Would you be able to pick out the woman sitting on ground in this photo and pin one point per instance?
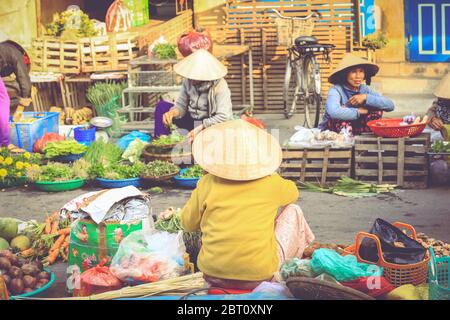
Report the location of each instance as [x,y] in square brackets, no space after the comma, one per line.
[352,104]
[439,113]
[235,206]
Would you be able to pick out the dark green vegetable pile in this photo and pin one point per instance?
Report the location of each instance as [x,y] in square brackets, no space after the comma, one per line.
[193,172]
[159,168]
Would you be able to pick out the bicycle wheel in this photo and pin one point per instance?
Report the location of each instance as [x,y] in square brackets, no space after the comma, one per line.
[291,89]
[313,99]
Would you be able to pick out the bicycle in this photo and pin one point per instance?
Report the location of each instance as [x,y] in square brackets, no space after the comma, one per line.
[302,80]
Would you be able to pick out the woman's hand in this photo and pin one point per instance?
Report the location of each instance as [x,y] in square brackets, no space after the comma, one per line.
[436,123]
[168,117]
[195,132]
[357,99]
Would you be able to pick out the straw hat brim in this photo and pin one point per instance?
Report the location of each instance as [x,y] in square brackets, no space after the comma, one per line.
[443,88]
[350,61]
[237,150]
[202,66]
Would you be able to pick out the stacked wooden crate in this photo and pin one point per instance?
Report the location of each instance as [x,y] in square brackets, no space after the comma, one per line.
[323,166]
[244,22]
[400,161]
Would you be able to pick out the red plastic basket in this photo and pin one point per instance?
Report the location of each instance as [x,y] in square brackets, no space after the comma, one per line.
[391,128]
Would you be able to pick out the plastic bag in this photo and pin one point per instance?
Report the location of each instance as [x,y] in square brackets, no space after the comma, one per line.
[134,150]
[118,17]
[98,280]
[297,268]
[125,141]
[194,40]
[397,247]
[39,145]
[409,292]
[342,268]
[149,256]
[275,288]
[303,137]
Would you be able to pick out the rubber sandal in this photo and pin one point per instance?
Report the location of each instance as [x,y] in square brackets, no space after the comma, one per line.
[315,289]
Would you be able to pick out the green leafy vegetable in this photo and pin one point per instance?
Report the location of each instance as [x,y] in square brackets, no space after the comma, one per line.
[122,172]
[101,152]
[52,172]
[193,172]
[159,168]
[63,148]
[348,187]
[173,138]
[441,147]
[165,51]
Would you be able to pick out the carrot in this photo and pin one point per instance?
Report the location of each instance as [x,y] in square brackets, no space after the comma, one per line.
[54,228]
[66,242]
[65,231]
[27,253]
[48,226]
[52,257]
[63,254]
[57,244]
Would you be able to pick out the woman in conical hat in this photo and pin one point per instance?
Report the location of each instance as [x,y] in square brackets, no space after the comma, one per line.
[205,98]
[351,103]
[439,113]
[235,206]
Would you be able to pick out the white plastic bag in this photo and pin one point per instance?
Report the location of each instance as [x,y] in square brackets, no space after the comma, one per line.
[149,256]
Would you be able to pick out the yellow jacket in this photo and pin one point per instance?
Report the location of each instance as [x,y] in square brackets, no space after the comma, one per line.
[237,221]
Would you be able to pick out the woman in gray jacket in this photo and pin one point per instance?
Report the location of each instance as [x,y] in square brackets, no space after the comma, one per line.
[205,98]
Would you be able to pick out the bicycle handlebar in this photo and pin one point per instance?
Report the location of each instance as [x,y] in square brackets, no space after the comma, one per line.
[315,14]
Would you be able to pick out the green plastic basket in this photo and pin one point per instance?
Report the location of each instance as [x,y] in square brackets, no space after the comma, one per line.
[439,277]
[60,186]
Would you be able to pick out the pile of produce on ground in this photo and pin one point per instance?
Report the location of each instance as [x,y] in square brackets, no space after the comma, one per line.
[309,251]
[159,168]
[63,148]
[13,167]
[193,172]
[349,187]
[440,248]
[21,275]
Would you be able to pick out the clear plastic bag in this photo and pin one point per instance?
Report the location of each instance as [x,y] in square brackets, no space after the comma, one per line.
[134,151]
[297,268]
[342,268]
[149,256]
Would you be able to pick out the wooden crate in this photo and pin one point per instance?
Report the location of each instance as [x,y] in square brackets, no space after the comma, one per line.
[323,166]
[400,161]
[242,22]
[50,54]
[108,53]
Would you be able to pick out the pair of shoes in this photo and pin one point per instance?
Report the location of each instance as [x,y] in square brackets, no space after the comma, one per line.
[14,149]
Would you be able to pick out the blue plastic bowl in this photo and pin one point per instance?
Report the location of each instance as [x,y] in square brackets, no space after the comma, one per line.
[39,291]
[190,183]
[69,158]
[112,184]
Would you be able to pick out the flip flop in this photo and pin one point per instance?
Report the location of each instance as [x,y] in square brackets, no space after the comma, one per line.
[315,289]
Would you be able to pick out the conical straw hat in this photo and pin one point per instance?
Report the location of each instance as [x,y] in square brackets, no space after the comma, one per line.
[3,37]
[237,150]
[349,61]
[202,66]
[443,89]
